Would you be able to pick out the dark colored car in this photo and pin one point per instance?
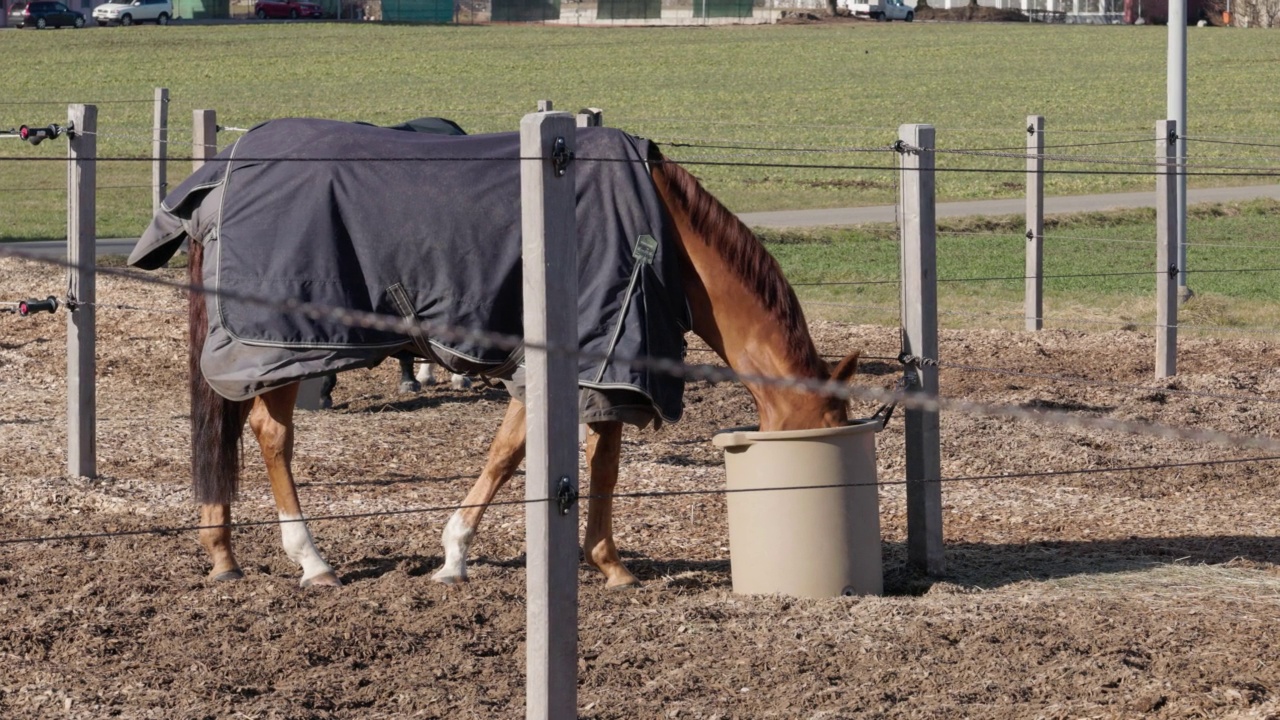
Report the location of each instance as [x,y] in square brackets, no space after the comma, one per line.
[41,14]
[286,9]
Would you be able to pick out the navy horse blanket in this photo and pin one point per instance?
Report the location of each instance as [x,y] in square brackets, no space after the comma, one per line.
[425,227]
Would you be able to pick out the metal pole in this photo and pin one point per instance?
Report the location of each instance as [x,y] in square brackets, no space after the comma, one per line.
[550,243]
[1176,110]
[1166,250]
[82,401]
[1033,303]
[160,150]
[918,221]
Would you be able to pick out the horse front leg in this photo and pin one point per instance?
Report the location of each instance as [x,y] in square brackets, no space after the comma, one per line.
[604,449]
[505,454]
[271,420]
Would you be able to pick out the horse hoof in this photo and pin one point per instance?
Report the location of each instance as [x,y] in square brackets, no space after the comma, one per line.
[623,584]
[410,386]
[444,579]
[227,575]
[460,382]
[326,403]
[325,579]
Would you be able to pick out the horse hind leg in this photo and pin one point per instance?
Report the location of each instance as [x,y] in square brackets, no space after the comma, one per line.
[604,449]
[215,537]
[271,420]
[408,383]
[216,425]
[327,384]
[505,454]
[427,376]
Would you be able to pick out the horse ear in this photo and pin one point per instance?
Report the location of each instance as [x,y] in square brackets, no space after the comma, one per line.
[845,369]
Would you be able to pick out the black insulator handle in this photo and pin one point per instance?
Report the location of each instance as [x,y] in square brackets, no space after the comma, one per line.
[49,304]
[35,135]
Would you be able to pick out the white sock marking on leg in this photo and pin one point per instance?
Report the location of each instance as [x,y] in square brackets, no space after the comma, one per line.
[426,374]
[456,540]
[299,546]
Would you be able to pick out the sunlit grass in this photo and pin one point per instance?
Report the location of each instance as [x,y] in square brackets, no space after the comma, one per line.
[820,96]
[1099,270]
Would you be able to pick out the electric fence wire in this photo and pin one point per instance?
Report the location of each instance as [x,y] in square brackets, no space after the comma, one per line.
[368,320]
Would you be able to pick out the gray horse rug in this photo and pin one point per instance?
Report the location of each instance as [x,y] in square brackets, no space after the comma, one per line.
[425,227]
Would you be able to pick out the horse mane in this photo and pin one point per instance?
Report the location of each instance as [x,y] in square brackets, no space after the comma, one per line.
[745,256]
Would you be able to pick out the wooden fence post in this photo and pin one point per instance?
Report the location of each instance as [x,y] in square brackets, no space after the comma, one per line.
[1034,303]
[160,150]
[1167,178]
[918,222]
[82,403]
[204,137]
[549,225]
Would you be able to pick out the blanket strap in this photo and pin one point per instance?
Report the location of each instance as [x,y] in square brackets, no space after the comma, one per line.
[645,250]
[400,297]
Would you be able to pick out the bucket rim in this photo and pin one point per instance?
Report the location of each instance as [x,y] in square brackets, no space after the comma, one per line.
[738,436]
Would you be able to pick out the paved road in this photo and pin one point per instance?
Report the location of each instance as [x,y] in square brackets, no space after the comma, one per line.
[861,215]
[1014,206]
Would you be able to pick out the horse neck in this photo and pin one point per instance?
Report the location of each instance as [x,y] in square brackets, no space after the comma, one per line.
[733,316]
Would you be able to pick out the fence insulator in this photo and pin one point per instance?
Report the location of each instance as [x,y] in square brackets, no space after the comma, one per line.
[36,135]
[49,304]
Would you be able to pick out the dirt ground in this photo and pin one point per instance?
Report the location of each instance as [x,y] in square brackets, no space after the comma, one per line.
[1133,593]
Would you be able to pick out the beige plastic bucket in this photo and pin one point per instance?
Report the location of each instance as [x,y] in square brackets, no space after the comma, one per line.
[821,540]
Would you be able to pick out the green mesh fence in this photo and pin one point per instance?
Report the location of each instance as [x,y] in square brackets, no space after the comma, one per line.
[419,11]
[724,8]
[629,9]
[202,9]
[525,10]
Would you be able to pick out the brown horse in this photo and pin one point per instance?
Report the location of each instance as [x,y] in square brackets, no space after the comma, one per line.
[740,305]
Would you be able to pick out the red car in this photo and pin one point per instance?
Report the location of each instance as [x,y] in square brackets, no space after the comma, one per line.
[286,9]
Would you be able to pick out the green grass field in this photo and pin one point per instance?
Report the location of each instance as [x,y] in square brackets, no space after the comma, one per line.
[826,90]
[771,117]
[1098,267]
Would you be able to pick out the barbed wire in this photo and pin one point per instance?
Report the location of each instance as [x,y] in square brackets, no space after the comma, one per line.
[639,494]
[130,307]
[1194,243]
[1065,321]
[1206,271]
[845,128]
[909,400]
[127,136]
[1075,380]
[75,102]
[1212,140]
[1229,172]
[844,283]
[828,303]
[888,148]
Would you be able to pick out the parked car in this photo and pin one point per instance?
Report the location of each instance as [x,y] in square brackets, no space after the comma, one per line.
[286,9]
[129,12]
[882,9]
[41,14]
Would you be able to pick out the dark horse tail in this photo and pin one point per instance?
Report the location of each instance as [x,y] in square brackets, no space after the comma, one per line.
[216,422]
